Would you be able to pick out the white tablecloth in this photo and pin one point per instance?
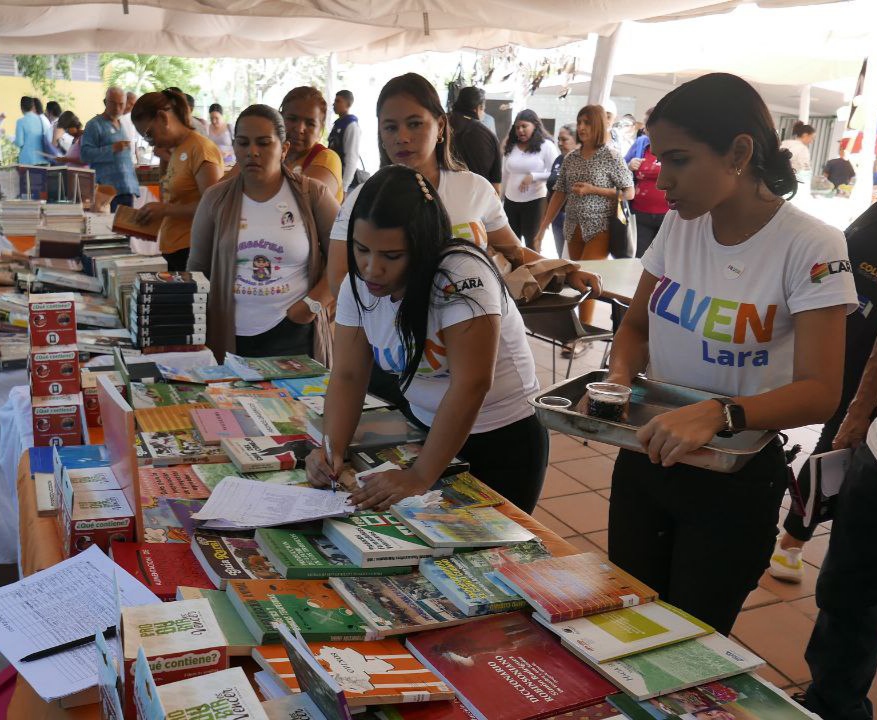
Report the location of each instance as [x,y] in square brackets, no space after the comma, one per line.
[16,436]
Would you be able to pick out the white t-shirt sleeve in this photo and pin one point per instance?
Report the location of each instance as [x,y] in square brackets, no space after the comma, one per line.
[818,273]
[467,289]
[493,216]
[653,257]
[347,312]
[339,229]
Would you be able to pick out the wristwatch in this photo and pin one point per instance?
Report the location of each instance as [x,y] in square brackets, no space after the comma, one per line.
[735,415]
[315,306]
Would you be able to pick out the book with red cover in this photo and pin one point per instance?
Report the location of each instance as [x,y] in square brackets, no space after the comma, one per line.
[177,481]
[161,566]
[507,667]
[215,424]
[566,588]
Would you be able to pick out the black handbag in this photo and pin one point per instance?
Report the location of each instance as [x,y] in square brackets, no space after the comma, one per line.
[622,230]
[360,175]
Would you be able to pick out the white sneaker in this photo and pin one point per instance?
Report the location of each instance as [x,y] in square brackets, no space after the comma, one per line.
[787,564]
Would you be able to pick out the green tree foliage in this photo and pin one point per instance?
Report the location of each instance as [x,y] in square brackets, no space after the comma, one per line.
[43,70]
[147,73]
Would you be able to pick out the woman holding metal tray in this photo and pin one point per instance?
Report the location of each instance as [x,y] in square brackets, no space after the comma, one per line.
[742,295]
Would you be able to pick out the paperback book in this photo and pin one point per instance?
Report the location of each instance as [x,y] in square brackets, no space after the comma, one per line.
[376,539]
[505,667]
[399,604]
[161,567]
[178,447]
[621,633]
[230,557]
[274,416]
[240,640]
[402,455]
[302,555]
[167,418]
[214,425]
[462,527]
[258,454]
[211,475]
[155,283]
[311,605]
[154,395]
[304,387]
[378,428]
[469,580]
[274,368]
[317,404]
[565,588]
[465,490]
[178,481]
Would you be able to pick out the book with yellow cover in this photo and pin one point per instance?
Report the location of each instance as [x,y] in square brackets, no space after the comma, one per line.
[167,418]
[370,672]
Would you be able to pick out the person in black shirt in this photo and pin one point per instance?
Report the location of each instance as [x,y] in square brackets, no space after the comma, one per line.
[839,171]
[474,144]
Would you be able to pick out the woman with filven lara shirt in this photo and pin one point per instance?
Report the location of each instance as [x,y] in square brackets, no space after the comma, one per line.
[262,238]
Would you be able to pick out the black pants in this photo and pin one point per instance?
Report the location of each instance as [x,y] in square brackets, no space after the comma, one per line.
[557,230]
[524,217]
[647,226]
[285,338]
[176,261]
[842,653]
[123,199]
[511,459]
[701,539]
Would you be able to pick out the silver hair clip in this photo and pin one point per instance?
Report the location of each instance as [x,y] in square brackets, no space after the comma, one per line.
[420,181]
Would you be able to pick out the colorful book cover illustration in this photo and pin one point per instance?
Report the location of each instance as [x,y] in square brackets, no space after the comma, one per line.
[179,446]
[212,474]
[154,395]
[240,640]
[402,455]
[565,588]
[304,387]
[274,368]
[462,527]
[376,539]
[273,452]
[230,557]
[274,416]
[167,418]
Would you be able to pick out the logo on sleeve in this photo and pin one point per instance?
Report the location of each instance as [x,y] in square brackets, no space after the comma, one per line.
[462,285]
[822,270]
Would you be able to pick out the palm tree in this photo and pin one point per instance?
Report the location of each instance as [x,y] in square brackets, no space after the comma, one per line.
[146,73]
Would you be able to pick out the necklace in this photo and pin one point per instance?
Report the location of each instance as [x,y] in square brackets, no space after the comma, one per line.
[748,235]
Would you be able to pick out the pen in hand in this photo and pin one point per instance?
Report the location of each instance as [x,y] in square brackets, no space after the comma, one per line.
[328,448]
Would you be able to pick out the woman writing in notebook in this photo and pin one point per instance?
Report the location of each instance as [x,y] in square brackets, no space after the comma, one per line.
[433,311]
[744,296]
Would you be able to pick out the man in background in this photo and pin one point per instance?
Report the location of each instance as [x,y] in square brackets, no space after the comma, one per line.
[473,143]
[344,137]
[107,149]
[29,135]
[839,171]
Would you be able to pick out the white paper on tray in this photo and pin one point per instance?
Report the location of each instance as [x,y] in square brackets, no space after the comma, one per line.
[67,601]
[237,503]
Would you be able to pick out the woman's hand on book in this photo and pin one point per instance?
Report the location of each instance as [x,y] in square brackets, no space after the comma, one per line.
[670,436]
[382,490]
[319,472]
[151,212]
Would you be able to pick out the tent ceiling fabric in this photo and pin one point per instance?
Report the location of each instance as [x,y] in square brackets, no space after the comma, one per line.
[365,30]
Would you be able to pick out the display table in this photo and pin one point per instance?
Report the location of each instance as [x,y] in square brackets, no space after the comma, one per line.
[41,548]
[620,277]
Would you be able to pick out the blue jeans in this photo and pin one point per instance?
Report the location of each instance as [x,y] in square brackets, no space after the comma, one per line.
[842,652]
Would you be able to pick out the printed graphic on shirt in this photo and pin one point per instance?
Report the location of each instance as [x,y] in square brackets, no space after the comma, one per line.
[473,231]
[432,364]
[258,262]
[454,288]
[719,322]
[822,270]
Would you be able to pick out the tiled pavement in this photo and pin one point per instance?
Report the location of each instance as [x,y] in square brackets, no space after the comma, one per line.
[777,618]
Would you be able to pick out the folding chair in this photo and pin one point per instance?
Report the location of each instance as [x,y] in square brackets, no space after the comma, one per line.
[617,312]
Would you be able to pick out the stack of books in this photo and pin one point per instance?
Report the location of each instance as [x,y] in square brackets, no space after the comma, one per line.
[63,216]
[169,309]
[20,217]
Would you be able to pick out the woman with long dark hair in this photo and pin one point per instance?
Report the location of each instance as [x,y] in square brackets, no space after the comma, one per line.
[262,238]
[529,155]
[744,296]
[432,310]
[165,122]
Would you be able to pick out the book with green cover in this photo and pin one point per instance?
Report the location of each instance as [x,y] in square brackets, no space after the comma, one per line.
[297,554]
[275,416]
[311,605]
[163,394]
[676,667]
[743,696]
[274,368]
[621,633]
[462,527]
[399,604]
[376,539]
[468,579]
[240,640]
[211,475]
[465,490]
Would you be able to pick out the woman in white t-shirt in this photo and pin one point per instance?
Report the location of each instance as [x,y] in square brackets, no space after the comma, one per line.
[742,295]
[261,237]
[529,156]
[433,311]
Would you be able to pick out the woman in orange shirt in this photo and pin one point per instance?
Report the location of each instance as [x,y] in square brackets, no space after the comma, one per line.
[164,120]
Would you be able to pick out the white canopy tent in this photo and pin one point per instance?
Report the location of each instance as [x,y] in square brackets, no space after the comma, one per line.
[364,31]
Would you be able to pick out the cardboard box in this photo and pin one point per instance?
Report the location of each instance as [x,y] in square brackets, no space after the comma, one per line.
[93,517]
[180,639]
[89,393]
[54,370]
[57,420]
[52,319]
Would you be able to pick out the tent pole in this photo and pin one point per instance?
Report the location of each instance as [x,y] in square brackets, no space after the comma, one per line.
[804,104]
[864,187]
[603,69]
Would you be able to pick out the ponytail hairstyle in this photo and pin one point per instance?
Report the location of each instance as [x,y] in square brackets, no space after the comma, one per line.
[800,128]
[539,136]
[419,89]
[171,100]
[399,197]
[716,108]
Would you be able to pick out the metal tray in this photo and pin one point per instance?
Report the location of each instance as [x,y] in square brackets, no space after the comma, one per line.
[649,398]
